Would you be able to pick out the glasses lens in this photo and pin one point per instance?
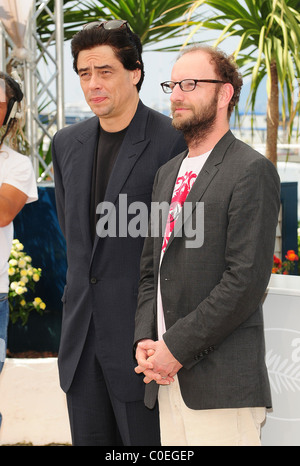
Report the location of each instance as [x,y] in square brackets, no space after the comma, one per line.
[109,25]
[188,85]
[166,87]
[93,24]
[114,24]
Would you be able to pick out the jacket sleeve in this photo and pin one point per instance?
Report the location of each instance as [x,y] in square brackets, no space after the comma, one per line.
[145,319]
[59,188]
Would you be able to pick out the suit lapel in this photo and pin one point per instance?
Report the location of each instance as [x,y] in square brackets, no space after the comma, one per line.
[165,195]
[84,151]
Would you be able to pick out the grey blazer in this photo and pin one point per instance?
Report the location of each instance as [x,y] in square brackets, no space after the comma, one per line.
[212,294]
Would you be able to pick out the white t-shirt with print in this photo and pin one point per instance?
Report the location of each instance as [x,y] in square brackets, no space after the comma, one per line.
[188,172]
[15,170]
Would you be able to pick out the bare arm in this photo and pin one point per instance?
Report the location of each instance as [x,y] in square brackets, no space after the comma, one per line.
[12,200]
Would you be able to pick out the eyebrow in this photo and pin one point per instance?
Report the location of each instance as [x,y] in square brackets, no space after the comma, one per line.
[96,67]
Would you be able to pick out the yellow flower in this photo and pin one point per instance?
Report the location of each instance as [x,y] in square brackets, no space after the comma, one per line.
[13,262]
[37,301]
[36,277]
[22,274]
[20,289]
[22,263]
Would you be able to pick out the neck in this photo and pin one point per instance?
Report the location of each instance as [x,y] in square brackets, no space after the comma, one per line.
[209,142]
[122,120]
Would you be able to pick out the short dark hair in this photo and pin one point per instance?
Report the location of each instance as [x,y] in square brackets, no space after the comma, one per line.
[226,69]
[125,44]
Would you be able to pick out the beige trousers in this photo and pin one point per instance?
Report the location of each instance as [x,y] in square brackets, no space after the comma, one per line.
[181,426]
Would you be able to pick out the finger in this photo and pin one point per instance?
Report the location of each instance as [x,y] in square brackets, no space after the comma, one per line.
[143,360]
[147,380]
[138,369]
[146,344]
[144,364]
[150,375]
[142,368]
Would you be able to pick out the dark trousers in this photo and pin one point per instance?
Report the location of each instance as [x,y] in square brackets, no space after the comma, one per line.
[97,418]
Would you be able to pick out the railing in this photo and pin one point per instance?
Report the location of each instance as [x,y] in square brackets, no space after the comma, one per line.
[286,152]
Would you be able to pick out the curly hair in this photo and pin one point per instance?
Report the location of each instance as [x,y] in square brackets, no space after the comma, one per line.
[225,68]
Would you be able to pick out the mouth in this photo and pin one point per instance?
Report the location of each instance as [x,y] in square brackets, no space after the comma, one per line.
[179,109]
[97,100]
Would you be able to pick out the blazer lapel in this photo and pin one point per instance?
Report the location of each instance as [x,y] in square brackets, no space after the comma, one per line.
[165,195]
[86,143]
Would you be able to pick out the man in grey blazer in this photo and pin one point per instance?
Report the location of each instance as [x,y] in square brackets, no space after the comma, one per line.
[107,162]
[199,325]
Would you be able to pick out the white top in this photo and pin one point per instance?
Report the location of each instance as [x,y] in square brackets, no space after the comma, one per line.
[16,170]
[188,172]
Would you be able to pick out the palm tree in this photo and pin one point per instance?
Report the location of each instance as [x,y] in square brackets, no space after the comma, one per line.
[269,46]
[153,20]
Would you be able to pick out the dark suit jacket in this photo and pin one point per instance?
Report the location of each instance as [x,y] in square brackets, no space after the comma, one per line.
[102,278]
[212,294]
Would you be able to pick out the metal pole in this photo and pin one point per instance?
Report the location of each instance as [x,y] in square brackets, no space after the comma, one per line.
[31,93]
[60,63]
[2,50]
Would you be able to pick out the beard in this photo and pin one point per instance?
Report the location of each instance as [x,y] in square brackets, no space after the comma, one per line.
[198,126]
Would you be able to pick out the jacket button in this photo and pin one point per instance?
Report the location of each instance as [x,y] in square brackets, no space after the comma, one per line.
[93,280]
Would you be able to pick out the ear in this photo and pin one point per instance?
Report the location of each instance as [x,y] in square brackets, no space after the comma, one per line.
[136,75]
[225,94]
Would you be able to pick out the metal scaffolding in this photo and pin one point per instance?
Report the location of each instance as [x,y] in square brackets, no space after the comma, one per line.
[42,76]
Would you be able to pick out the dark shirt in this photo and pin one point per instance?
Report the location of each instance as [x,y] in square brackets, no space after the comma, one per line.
[105,157]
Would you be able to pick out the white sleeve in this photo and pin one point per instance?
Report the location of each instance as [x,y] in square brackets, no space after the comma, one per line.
[21,176]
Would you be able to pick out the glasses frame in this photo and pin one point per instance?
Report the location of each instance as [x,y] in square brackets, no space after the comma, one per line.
[168,90]
[105,24]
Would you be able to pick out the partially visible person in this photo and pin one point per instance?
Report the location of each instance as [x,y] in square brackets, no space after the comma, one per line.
[200,298]
[17,187]
[110,159]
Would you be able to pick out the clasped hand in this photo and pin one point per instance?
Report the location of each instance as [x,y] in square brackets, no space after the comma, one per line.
[156,362]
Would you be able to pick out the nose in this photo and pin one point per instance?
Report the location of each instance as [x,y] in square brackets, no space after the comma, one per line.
[177,93]
[95,81]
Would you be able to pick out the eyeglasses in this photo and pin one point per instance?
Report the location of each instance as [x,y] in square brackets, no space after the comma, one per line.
[186,85]
[109,25]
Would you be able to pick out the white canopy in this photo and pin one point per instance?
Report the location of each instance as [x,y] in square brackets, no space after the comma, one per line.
[14,16]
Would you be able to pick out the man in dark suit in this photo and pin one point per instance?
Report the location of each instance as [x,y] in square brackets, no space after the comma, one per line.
[106,163]
[199,323]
